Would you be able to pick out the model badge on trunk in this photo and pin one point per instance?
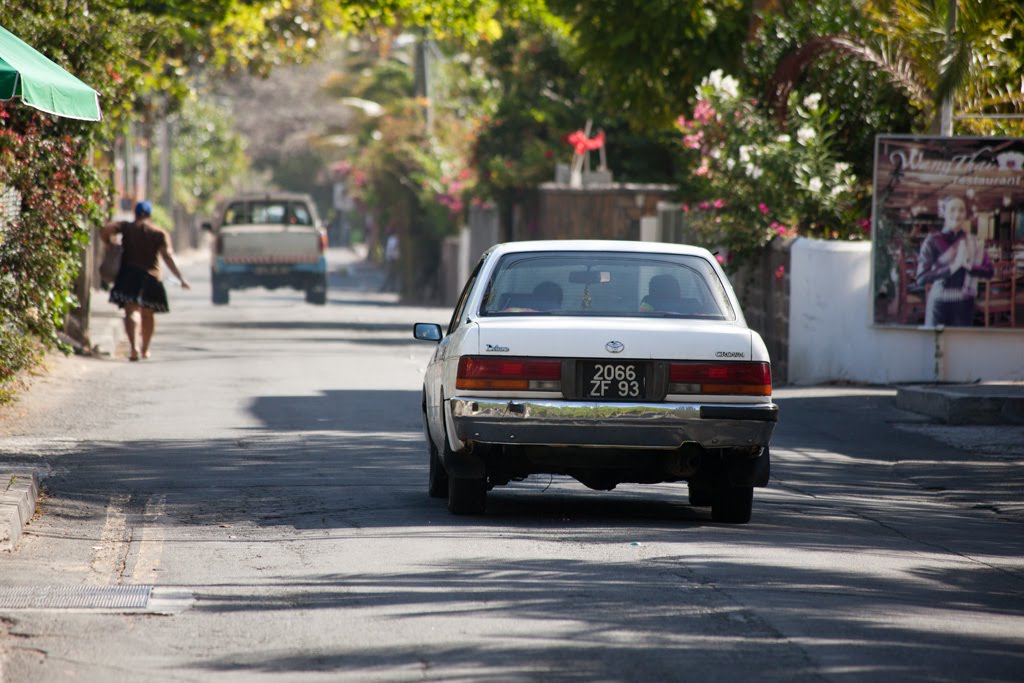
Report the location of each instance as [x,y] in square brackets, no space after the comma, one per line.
[614,347]
[494,348]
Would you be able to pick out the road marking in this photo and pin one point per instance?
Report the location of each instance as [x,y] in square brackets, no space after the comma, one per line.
[148,547]
[109,557]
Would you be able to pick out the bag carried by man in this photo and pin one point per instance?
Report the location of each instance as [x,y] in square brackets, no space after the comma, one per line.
[111,263]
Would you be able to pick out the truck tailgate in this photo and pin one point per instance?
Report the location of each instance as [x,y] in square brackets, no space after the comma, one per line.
[269,243]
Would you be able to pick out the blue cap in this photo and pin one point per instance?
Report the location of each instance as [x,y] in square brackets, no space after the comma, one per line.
[144,209]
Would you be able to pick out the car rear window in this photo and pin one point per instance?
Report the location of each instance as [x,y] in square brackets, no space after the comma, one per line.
[268,213]
[603,284]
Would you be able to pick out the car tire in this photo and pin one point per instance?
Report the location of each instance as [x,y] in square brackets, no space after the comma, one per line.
[466,496]
[700,496]
[316,296]
[220,292]
[437,483]
[731,504]
[316,291]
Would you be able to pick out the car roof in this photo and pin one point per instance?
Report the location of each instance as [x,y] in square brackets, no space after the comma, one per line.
[599,245]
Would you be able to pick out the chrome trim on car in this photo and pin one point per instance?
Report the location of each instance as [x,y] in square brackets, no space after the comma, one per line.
[628,425]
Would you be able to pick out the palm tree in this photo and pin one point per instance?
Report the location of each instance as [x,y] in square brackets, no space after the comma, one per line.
[964,50]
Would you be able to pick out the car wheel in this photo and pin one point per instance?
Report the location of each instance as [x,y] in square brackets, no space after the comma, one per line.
[466,496]
[731,504]
[437,483]
[220,295]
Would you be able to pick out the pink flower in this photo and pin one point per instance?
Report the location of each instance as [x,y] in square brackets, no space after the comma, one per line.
[703,112]
[763,208]
[782,230]
[704,206]
[686,208]
[719,204]
[720,259]
[704,167]
[682,123]
[780,272]
[693,141]
[864,224]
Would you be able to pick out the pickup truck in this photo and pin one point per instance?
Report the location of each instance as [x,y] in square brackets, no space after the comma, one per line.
[268,239]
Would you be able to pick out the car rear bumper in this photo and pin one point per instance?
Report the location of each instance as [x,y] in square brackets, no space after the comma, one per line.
[269,266]
[627,425]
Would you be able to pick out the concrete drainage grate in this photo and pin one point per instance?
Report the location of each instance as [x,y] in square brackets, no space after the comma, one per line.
[75,597]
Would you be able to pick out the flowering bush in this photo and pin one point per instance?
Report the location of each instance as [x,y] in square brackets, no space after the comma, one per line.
[43,171]
[751,182]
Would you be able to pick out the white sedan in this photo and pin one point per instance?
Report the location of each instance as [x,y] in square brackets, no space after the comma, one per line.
[607,361]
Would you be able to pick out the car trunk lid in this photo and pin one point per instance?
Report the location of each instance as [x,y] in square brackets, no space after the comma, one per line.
[632,338]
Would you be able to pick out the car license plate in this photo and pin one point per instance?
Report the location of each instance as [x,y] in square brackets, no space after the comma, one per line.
[614,381]
[271,270]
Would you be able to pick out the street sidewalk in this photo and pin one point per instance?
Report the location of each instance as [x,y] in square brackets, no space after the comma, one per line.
[989,403]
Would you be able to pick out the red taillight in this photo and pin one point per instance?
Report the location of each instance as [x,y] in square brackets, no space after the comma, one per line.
[478,372]
[751,379]
[323,242]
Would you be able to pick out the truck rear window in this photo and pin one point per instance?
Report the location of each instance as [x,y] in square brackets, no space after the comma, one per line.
[267,213]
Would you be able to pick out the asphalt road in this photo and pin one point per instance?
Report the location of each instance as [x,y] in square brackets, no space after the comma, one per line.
[264,473]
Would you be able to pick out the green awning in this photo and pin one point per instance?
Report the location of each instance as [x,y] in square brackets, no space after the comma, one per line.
[40,83]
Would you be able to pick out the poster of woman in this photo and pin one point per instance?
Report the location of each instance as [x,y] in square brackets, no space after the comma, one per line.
[948,237]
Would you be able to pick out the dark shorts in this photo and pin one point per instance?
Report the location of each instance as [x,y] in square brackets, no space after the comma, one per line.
[136,286]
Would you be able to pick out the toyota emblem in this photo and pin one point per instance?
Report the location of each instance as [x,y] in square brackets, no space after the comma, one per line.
[614,347]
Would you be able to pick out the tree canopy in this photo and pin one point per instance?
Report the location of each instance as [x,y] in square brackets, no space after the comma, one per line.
[518,76]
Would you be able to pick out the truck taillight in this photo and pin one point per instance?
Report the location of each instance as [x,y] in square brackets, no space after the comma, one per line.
[744,378]
[509,374]
[323,242]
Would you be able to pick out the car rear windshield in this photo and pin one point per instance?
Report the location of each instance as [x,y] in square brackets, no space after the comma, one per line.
[268,213]
[602,284]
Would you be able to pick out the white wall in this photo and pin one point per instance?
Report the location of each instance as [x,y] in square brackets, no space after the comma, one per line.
[832,336]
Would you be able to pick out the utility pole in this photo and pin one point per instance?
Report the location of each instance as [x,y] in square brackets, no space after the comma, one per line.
[946,123]
[422,81]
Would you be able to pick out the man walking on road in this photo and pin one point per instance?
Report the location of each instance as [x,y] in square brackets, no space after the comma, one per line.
[138,288]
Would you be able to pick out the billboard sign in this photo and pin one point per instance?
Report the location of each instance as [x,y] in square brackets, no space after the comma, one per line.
[948,231]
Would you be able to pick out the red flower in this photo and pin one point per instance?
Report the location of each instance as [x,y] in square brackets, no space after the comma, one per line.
[582,144]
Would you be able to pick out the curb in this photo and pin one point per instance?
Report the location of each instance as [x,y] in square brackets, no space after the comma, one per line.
[18,493]
[972,404]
